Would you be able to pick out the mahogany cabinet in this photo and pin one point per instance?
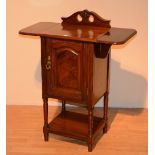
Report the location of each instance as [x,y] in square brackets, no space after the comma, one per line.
[75,60]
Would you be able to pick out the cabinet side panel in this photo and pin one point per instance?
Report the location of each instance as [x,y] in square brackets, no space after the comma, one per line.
[100,71]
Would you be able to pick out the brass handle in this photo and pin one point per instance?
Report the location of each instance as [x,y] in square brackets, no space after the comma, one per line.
[48,64]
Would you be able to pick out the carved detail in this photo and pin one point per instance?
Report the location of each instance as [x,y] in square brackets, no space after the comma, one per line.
[67,60]
[86,17]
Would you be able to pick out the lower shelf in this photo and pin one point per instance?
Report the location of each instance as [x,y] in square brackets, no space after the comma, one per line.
[75,125]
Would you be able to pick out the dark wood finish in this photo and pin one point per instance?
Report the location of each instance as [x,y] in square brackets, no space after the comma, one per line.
[80,33]
[74,125]
[116,36]
[46,126]
[90,128]
[63,105]
[75,61]
[65,31]
[106,94]
[65,76]
[105,116]
[100,74]
[86,18]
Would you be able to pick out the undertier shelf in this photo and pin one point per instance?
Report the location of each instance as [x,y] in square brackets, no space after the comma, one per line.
[75,125]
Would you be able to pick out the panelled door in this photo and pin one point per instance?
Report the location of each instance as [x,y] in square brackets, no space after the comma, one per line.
[65,65]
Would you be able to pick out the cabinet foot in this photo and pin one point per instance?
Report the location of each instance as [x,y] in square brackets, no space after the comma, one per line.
[90,147]
[46,133]
[105,129]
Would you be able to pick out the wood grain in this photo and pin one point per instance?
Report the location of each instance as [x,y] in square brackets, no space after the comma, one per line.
[73,125]
[127,133]
[81,33]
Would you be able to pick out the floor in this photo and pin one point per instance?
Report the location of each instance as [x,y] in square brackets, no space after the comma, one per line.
[127,134]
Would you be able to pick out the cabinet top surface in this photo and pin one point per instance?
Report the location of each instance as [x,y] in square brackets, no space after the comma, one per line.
[72,28]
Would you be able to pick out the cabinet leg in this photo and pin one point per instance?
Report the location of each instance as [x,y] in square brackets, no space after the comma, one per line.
[90,128]
[105,114]
[63,105]
[45,127]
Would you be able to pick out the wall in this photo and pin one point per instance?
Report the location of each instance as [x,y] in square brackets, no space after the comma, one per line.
[128,64]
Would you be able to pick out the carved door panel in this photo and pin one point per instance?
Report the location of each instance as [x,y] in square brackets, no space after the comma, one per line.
[65,78]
